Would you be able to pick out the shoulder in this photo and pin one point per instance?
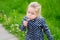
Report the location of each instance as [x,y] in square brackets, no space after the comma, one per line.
[41,19]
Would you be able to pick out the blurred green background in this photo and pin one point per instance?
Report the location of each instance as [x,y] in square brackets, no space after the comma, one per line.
[13,11]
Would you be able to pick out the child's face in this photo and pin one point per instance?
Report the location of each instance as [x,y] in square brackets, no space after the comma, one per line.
[31,13]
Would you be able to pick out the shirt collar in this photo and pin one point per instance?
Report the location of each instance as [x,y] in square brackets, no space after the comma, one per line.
[34,19]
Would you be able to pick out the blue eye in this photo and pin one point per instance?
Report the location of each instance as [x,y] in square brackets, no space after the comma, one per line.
[29,12]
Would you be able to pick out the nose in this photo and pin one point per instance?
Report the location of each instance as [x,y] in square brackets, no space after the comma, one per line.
[29,14]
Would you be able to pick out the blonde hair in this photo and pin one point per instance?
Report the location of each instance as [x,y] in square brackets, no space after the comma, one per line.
[36,6]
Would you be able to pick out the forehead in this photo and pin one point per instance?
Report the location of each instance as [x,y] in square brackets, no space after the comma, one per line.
[31,9]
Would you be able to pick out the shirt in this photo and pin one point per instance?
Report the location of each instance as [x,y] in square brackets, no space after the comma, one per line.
[36,28]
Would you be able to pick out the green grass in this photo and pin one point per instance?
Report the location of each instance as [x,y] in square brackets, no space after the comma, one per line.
[13,12]
[54,28]
[12,24]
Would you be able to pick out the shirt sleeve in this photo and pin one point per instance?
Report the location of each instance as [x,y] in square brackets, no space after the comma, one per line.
[46,30]
[22,27]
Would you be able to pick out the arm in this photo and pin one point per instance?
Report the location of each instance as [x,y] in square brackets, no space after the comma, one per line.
[22,27]
[46,30]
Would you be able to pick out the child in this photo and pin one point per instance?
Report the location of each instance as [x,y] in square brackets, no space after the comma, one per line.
[35,23]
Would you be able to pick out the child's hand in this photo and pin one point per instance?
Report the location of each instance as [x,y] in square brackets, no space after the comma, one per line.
[25,23]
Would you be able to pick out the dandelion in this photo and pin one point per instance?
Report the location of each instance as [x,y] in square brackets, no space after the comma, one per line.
[23,34]
[10,31]
[4,15]
[19,30]
[12,25]
[17,25]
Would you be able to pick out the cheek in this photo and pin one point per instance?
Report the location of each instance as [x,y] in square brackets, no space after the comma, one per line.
[27,14]
[33,16]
